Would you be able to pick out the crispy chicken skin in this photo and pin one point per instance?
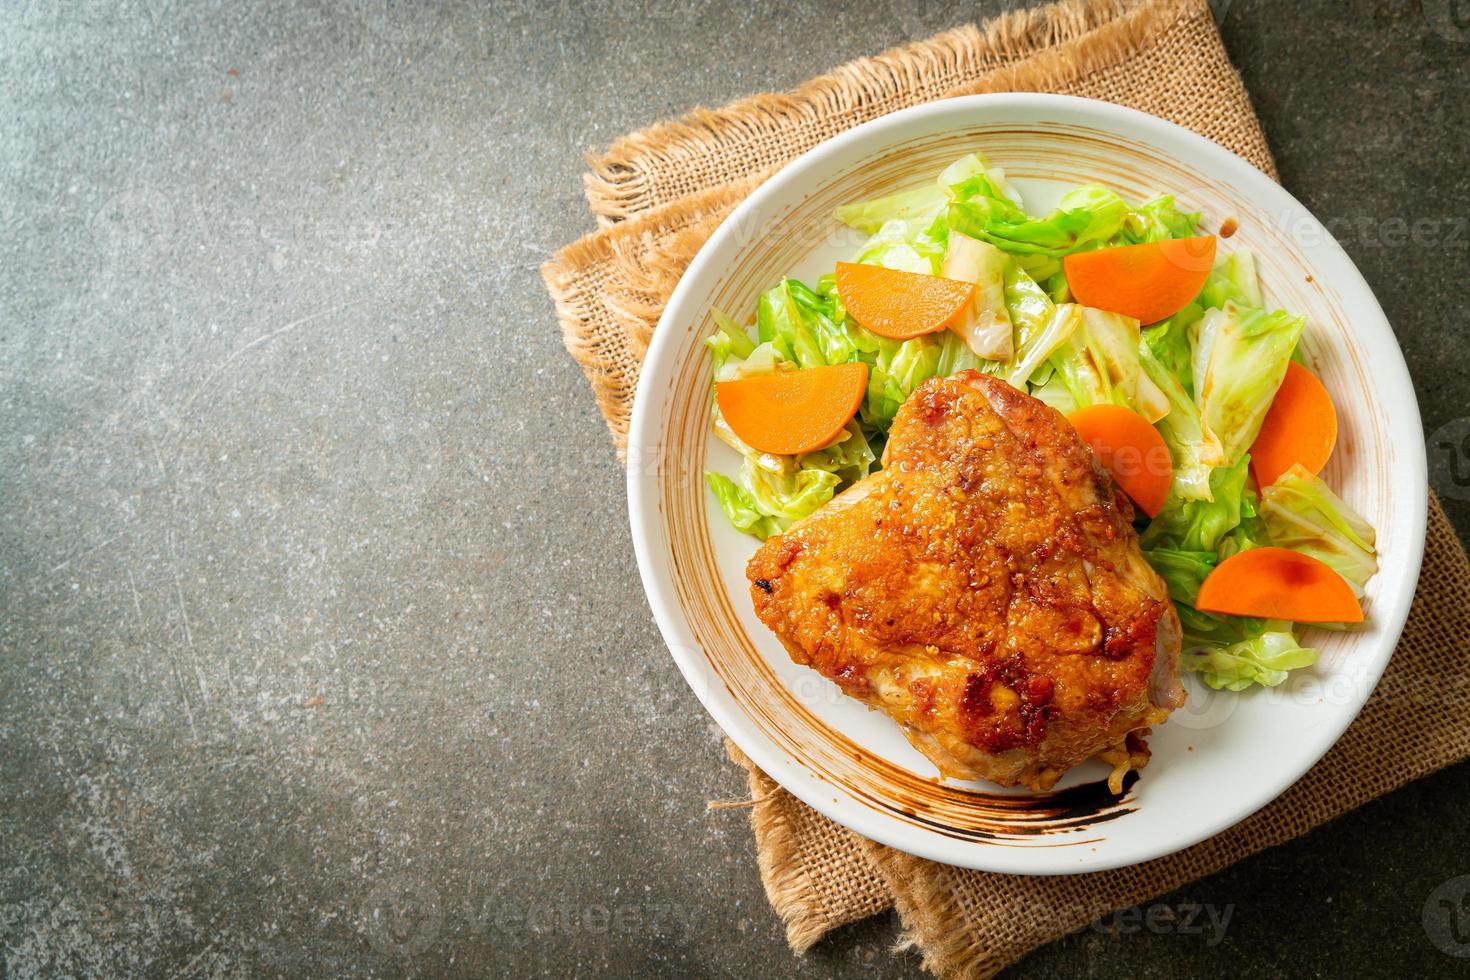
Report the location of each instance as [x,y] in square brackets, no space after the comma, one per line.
[985,589]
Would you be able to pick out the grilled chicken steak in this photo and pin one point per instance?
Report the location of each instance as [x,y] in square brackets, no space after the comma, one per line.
[985,589]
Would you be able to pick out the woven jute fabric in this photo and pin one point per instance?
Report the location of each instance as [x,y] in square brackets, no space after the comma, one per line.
[658,195]
[661,192]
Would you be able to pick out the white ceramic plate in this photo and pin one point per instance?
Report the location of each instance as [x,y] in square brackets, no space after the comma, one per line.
[1217,760]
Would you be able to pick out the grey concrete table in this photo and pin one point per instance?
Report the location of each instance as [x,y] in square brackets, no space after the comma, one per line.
[322,650]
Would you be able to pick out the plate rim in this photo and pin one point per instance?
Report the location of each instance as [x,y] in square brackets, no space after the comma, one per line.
[644,506]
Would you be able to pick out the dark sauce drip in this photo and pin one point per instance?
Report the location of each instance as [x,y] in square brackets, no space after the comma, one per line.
[1062,811]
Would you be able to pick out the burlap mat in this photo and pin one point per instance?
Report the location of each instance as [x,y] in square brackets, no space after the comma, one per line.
[660,193]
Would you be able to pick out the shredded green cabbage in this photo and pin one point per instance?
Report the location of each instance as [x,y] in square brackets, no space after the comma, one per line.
[1263,659]
[1205,376]
[1302,513]
[1240,357]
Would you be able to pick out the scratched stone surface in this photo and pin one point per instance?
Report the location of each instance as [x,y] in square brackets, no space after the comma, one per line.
[322,648]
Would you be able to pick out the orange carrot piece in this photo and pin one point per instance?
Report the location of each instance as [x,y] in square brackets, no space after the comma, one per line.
[794,411]
[901,305]
[1277,583]
[1147,282]
[1130,449]
[1300,427]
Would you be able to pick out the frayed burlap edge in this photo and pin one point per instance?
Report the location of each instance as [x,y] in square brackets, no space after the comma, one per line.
[610,288]
[786,868]
[788,888]
[959,920]
[1061,67]
[618,185]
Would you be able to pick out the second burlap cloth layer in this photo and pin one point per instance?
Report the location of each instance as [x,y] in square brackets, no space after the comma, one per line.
[661,192]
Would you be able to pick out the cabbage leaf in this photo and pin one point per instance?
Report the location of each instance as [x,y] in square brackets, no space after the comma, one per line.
[1302,513]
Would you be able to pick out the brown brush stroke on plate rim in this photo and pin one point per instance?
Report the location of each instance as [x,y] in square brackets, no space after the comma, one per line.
[883,785]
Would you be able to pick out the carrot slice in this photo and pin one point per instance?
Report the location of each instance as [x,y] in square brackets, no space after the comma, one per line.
[1130,449]
[793,411]
[1277,583]
[900,305]
[1300,427]
[1147,282]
